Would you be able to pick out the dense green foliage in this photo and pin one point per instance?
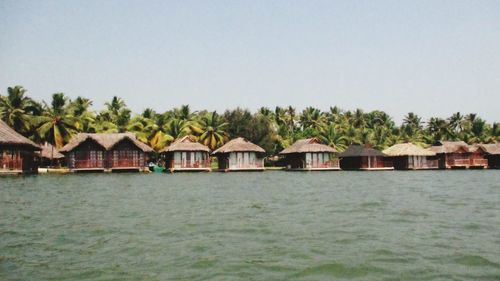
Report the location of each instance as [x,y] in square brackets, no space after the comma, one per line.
[56,122]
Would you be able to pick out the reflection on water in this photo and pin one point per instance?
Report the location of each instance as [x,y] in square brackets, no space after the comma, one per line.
[441,225]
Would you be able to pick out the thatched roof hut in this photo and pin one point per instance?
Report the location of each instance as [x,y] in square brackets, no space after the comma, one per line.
[186,143]
[356,150]
[491,148]
[50,152]
[308,145]
[107,141]
[449,147]
[407,149]
[239,145]
[9,137]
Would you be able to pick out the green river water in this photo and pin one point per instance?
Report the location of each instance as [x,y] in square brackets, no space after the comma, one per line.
[430,225]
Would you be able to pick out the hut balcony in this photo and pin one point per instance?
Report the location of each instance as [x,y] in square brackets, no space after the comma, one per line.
[479,162]
[127,164]
[374,163]
[191,165]
[425,164]
[87,164]
[459,163]
[330,164]
[11,163]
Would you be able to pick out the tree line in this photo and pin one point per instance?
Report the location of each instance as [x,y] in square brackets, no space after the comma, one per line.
[273,129]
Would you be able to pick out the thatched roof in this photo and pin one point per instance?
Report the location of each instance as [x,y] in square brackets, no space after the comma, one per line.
[407,149]
[186,143]
[449,146]
[308,145]
[356,150]
[50,152]
[9,136]
[107,141]
[491,148]
[239,144]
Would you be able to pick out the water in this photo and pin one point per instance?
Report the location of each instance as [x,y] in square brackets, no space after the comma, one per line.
[431,225]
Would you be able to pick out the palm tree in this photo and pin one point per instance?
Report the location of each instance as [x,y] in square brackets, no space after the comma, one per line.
[413,120]
[312,118]
[57,125]
[331,136]
[210,130]
[184,113]
[438,129]
[115,105]
[178,128]
[16,109]
[455,121]
[117,113]
[80,109]
[151,131]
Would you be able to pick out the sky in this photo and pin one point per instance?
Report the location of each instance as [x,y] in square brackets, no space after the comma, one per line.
[428,57]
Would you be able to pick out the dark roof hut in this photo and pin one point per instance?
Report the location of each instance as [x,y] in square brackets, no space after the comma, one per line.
[310,154]
[240,154]
[17,153]
[364,157]
[408,156]
[185,154]
[108,152]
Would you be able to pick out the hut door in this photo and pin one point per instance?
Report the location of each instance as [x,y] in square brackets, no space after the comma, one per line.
[177,160]
[246,159]
[308,160]
[252,159]
[240,159]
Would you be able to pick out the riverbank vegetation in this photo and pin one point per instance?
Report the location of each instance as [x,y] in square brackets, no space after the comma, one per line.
[57,120]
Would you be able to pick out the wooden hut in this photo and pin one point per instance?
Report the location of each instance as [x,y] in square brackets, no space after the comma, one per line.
[492,154]
[186,154]
[364,157]
[106,152]
[407,156]
[50,156]
[458,155]
[240,155]
[17,153]
[477,157]
[310,155]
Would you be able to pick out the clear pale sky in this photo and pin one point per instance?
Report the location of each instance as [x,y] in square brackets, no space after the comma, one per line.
[430,57]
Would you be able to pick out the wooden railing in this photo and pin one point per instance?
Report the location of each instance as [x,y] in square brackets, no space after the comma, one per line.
[326,164]
[127,162]
[426,164]
[459,162]
[11,164]
[191,164]
[257,164]
[479,162]
[87,164]
[377,164]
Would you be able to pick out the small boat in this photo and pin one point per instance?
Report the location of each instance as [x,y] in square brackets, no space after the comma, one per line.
[155,168]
